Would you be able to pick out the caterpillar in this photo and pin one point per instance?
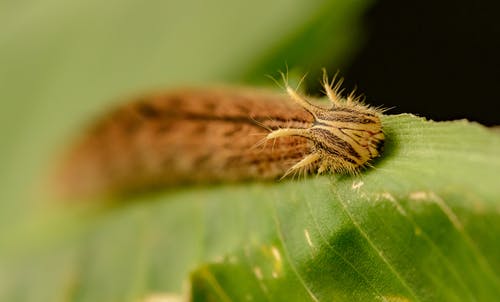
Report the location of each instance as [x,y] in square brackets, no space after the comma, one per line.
[220,134]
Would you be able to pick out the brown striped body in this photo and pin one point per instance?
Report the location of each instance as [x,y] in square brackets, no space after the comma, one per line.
[186,136]
[218,134]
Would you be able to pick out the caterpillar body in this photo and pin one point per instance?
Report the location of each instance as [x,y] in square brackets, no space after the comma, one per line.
[206,135]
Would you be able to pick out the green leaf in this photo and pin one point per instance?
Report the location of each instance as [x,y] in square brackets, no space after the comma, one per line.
[422,225]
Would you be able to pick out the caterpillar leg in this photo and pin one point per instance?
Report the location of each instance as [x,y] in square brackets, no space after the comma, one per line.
[304,163]
[323,167]
[289,132]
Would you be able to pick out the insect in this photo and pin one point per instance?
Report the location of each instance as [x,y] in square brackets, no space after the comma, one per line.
[202,135]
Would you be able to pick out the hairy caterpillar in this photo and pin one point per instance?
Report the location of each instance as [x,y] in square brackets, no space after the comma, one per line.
[200,135]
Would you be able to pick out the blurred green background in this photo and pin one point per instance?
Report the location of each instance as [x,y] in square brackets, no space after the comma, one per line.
[61,63]
[64,62]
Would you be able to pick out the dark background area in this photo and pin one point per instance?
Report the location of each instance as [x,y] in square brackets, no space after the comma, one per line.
[438,59]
